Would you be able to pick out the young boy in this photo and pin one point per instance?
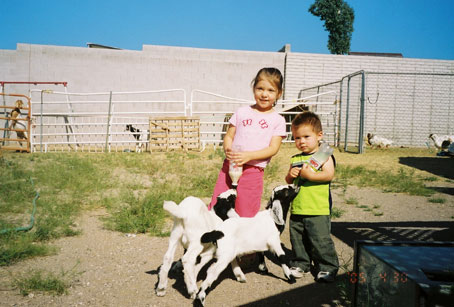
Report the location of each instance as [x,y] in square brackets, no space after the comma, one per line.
[310,223]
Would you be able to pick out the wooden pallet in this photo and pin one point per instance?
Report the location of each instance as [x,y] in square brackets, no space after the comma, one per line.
[174,133]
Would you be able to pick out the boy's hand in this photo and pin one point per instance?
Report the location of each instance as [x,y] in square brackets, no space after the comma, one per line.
[306,172]
[325,174]
[294,172]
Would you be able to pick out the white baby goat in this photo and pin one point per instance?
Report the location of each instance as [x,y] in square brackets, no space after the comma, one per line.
[377,141]
[191,220]
[441,141]
[241,236]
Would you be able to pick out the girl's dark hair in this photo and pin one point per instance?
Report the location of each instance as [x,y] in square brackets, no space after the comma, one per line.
[308,118]
[271,74]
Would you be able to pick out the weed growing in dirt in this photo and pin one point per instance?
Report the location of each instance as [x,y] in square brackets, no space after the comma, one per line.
[437,200]
[376,213]
[142,214]
[352,201]
[15,247]
[336,212]
[40,281]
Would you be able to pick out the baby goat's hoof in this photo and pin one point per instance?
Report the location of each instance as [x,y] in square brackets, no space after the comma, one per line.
[291,279]
[262,269]
[241,279]
[193,295]
[160,292]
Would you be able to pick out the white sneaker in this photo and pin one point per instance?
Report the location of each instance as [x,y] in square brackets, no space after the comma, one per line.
[297,272]
[325,277]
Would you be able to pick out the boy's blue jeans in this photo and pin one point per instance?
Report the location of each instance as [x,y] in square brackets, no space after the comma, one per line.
[310,236]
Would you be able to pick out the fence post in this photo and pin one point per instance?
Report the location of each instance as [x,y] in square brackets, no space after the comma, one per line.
[361,114]
[5,132]
[41,125]
[108,122]
[339,122]
[190,103]
[347,108]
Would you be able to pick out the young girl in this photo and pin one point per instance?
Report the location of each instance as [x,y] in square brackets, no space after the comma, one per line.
[259,130]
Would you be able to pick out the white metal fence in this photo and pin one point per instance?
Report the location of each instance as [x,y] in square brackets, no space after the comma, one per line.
[97,122]
[65,121]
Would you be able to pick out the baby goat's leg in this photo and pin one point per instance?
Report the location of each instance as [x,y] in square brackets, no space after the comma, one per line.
[175,237]
[237,271]
[205,257]
[262,265]
[212,274]
[275,247]
[189,260]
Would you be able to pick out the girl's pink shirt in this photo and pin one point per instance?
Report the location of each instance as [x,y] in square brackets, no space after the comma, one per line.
[254,130]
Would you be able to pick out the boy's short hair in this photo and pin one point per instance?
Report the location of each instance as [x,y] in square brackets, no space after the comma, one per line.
[308,118]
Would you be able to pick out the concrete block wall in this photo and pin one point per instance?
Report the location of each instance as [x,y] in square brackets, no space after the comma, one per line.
[405,108]
[154,68]
[229,73]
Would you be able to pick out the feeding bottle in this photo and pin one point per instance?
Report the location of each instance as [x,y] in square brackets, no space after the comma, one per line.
[235,170]
[321,156]
[318,158]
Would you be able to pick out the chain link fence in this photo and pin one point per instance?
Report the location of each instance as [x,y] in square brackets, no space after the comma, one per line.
[403,107]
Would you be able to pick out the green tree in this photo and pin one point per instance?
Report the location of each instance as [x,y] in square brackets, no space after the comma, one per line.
[338,17]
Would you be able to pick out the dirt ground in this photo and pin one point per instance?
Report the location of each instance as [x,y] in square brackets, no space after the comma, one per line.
[118,269]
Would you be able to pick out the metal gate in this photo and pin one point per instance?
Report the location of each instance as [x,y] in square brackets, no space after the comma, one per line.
[15,122]
[404,107]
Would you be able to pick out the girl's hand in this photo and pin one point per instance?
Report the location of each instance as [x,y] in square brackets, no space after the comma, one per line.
[228,153]
[239,157]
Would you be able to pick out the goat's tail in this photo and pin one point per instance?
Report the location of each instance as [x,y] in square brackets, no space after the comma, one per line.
[173,209]
[211,237]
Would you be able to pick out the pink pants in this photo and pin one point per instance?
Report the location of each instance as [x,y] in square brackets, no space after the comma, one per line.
[249,190]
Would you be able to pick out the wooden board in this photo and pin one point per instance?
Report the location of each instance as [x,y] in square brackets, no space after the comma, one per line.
[174,133]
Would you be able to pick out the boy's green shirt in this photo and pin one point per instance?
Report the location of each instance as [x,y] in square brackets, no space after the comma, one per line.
[313,197]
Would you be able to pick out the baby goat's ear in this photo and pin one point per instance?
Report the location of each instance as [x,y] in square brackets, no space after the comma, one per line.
[276,213]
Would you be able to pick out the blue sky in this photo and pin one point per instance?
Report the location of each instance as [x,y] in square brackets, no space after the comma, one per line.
[415,28]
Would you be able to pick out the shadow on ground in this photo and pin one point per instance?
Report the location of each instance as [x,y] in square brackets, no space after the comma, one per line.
[440,166]
[314,294]
[349,232]
[301,296]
